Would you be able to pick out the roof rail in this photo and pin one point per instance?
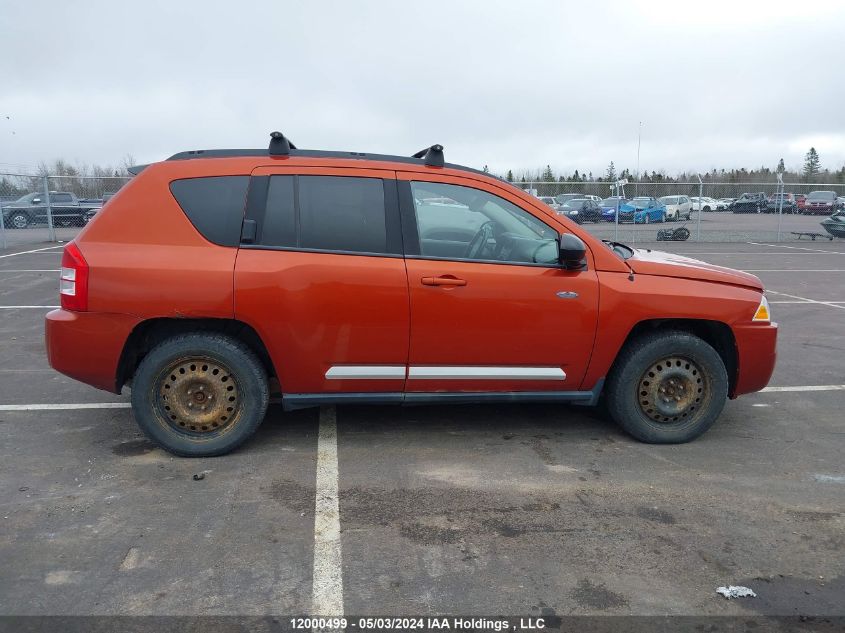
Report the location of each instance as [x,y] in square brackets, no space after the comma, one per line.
[279,145]
[432,156]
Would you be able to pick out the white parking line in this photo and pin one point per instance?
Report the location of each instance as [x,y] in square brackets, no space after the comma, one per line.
[799,248]
[805,299]
[800,302]
[778,253]
[327,595]
[40,270]
[804,388]
[795,270]
[37,250]
[64,407]
[28,307]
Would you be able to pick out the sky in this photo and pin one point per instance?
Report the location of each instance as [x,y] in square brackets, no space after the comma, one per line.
[511,85]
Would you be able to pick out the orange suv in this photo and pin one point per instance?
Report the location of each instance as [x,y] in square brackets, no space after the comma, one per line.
[217,278]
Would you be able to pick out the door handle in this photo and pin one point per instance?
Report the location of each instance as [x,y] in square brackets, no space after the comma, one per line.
[445,280]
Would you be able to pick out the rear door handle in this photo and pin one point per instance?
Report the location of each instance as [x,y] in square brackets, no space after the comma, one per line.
[445,280]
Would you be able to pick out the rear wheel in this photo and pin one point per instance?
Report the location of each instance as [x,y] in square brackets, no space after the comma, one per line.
[199,395]
[667,388]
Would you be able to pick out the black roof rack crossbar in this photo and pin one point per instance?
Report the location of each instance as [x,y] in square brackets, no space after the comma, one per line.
[432,156]
[279,145]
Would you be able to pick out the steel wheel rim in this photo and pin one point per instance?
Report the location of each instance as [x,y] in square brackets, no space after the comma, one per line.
[198,396]
[672,390]
[19,221]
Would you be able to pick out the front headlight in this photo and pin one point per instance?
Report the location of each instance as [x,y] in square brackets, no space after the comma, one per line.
[763,314]
[573,213]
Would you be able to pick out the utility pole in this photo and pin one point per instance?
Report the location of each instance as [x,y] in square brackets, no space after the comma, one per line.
[639,142]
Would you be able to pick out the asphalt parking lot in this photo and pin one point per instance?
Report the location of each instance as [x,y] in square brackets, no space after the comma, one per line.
[540,509]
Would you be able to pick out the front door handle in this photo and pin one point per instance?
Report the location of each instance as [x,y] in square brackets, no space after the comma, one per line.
[445,280]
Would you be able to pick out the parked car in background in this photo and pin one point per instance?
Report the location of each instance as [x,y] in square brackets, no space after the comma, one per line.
[581,210]
[327,279]
[93,211]
[726,201]
[820,203]
[609,207]
[549,200]
[642,210]
[677,207]
[749,203]
[707,204]
[565,197]
[773,204]
[65,207]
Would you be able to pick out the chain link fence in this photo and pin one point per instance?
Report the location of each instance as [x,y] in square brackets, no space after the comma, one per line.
[708,211]
[40,209]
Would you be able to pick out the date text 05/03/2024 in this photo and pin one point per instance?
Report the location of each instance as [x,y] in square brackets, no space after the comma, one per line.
[428,623]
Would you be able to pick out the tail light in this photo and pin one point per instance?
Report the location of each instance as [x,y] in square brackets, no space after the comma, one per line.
[73,285]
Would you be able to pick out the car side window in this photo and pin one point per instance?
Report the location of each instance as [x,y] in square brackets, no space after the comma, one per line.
[214,205]
[462,223]
[332,213]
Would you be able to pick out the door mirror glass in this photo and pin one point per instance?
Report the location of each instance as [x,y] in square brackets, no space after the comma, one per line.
[572,251]
[36,201]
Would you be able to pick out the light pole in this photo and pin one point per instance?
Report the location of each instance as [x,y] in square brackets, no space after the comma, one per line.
[639,142]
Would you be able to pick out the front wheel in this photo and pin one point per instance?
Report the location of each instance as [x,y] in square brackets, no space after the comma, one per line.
[19,220]
[667,387]
[199,395]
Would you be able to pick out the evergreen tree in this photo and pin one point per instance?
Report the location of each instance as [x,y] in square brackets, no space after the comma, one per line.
[610,174]
[510,176]
[548,174]
[486,170]
[812,164]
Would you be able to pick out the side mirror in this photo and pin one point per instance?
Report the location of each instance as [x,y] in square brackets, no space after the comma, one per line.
[572,251]
[36,201]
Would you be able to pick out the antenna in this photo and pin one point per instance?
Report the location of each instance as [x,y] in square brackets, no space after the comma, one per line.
[432,156]
[279,145]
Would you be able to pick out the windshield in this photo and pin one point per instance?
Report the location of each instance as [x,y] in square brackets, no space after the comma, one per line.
[822,195]
[641,202]
[668,199]
[611,202]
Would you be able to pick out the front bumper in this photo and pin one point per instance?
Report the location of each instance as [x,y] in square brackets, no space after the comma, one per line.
[756,346]
[87,345]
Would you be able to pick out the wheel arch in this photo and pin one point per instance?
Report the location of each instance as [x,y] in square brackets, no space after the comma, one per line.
[716,333]
[149,333]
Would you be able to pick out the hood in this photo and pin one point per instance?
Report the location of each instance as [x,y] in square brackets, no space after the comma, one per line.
[645,262]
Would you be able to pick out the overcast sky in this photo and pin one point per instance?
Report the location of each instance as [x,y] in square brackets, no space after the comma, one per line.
[515,85]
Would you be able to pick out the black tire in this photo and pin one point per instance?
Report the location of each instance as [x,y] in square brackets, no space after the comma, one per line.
[19,220]
[231,379]
[699,377]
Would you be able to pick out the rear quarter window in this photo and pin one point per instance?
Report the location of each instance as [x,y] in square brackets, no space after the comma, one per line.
[214,205]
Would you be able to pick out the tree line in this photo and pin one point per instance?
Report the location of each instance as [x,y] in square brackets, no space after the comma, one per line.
[86,181]
[811,172]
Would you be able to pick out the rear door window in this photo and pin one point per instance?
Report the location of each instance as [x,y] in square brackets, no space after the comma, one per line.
[214,205]
[344,214]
